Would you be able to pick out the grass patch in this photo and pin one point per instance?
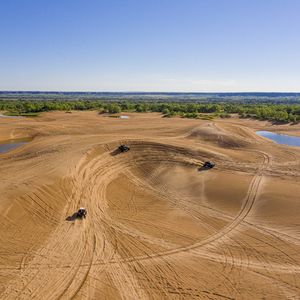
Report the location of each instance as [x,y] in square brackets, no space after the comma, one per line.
[20,114]
[206,117]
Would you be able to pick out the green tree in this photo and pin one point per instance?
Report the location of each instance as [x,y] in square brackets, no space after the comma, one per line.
[114,108]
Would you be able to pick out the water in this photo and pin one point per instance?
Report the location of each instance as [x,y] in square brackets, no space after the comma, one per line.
[4,116]
[12,144]
[280,138]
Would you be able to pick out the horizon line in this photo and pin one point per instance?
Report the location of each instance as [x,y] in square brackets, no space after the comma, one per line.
[152,92]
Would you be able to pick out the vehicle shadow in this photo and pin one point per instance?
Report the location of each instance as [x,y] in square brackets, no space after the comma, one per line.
[115,152]
[72,217]
[201,169]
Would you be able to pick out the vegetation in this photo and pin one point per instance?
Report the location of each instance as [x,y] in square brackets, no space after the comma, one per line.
[261,111]
[21,114]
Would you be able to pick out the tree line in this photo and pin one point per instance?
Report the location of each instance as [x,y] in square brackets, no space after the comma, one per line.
[266,111]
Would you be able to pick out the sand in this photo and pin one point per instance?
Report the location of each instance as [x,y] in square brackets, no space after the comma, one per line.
[156,228]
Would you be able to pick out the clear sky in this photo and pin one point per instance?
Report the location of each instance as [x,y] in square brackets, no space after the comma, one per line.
[150,45]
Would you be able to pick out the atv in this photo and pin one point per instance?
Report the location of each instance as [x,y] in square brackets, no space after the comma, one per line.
[208,165]
[124,148]
[81,213]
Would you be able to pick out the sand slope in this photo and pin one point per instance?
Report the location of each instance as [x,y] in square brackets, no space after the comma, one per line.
[157,228]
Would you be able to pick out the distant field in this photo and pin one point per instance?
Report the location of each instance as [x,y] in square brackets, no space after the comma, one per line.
[155,96]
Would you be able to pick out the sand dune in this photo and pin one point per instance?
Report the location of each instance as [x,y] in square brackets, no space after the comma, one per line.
[221,137]
[157,228]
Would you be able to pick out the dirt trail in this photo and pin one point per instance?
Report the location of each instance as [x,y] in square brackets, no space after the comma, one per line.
[156,226]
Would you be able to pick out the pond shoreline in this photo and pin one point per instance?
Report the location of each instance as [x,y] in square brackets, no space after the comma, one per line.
[280,138]
[9,145]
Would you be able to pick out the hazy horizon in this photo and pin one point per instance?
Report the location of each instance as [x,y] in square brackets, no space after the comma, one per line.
[148,92]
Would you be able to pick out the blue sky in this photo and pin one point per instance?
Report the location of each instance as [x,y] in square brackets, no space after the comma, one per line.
[150,45]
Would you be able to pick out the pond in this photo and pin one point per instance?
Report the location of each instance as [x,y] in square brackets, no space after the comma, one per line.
[12,144]
[13,117]
[280,138]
